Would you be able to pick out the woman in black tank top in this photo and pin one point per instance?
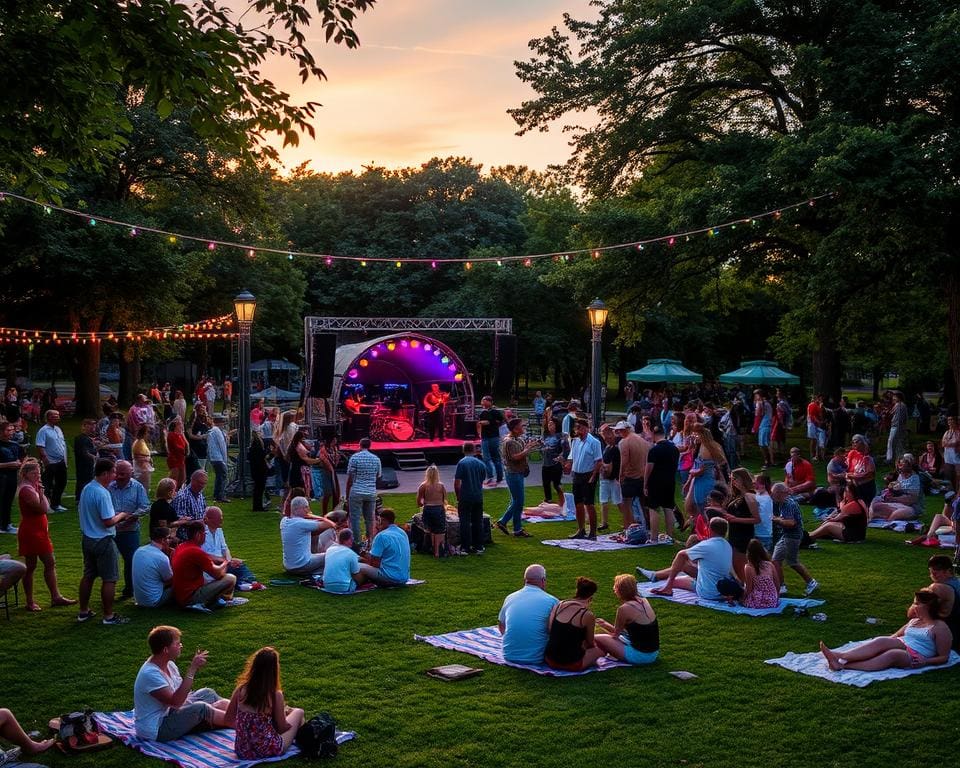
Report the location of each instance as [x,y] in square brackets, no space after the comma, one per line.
[635,638]
[570,645]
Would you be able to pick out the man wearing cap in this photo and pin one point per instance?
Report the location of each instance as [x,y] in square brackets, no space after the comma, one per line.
[515,455]
[586,458]
[633,466]
[217,454]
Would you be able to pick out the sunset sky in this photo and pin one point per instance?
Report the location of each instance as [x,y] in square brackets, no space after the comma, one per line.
[432,78]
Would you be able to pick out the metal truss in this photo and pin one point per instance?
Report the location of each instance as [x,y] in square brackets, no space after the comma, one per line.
[402,324]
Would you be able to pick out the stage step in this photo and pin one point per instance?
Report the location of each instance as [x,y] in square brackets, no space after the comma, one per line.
[410,460]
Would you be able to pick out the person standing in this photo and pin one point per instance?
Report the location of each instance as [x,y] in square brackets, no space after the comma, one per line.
[11,457]
[555,446]
[52,446]
[515,453]
[659,483]
[257,456]
[98,525]
[488,423]
[634,452]
[433,403]
[128,495]
[586,458]
[788,533]
[610,492]
[814,422]
[897,440]
[217,453]
[468,487]
[85,455]
[363,471]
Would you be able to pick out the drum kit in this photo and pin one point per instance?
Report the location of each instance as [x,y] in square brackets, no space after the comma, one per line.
[393,424]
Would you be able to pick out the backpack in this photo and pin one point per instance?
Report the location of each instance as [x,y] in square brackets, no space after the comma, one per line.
[318,736]
[636,534]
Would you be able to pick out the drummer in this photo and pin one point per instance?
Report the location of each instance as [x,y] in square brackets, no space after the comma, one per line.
[433,403]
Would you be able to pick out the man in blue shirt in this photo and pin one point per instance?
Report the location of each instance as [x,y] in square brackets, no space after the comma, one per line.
[97,524]
[341,565]
[468,486]
[52,447]
[217,453]
[128,495]
[523,619]
[388,562]
[586,458]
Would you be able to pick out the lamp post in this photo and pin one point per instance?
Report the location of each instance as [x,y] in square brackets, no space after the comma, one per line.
[245,306]
[598,317]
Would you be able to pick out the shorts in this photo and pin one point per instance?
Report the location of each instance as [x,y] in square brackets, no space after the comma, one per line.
[632,487]
[811,430]
[822,438]
[917,659]
[633,656]
[661,497]
[610,492]
[584,491]
[787,550]
[100,558]
[435,518]
[196,711]
[763,437]
[950,456]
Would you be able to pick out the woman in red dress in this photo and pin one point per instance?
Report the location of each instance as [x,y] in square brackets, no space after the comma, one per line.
[33,536]
[177,453]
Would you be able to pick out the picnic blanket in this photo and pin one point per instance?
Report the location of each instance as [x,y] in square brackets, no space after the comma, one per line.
[900,526]
[487,643]
[604,543]
[212,749]
[552,512]
[686,597]
[369,587]
[815,665]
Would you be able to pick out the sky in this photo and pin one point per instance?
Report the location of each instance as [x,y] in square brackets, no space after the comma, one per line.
[431,78]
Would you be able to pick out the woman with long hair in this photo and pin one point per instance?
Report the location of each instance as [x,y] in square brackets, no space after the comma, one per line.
[142,461]
[197,436]
[432,499]
[635,635]
[707,466]
[257,456]
[282,437]
[265,726]
[571,645]
[849,522]
[33,536]
[761,587]
[923,640]
[555,449]
[329,459]
[177,447]
[742,512]
[300,461]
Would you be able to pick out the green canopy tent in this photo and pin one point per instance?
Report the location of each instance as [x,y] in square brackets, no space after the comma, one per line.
[758,372]
[668,371]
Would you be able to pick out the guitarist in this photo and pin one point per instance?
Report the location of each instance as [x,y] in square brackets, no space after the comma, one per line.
[433,403]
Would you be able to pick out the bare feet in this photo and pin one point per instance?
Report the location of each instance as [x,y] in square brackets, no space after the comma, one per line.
[833,661]
[36,747]
[665,591]
[61,600]
[33,607]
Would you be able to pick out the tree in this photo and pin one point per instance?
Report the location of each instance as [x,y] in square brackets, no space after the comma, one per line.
[67,66]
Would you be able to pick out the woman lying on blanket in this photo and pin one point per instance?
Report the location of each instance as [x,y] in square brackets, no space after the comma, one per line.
[635,637]
[923,640]
[570,645]
[266,727]
[849,522]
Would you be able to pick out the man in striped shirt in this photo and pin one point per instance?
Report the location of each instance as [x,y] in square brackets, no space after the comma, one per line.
[189,503]
[363,471]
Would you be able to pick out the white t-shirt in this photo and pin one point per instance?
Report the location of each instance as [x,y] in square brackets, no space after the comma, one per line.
[714,559]
[295,537]
[148,711]
[151,568]
[339,565]
[765,528]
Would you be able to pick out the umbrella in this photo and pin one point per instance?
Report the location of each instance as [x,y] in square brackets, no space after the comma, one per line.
[275,395]
[662,369]
[758,372]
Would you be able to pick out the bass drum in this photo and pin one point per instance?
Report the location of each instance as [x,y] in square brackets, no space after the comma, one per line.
[398,430]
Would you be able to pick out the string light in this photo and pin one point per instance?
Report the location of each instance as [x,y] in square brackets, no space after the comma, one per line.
[211,328]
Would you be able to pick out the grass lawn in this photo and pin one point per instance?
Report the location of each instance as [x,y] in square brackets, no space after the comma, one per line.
[356,657]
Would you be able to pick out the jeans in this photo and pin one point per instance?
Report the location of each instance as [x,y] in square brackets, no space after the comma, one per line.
[515,509]
[242,573]
[128,542]
[471,524]
[220,479]
[367,504]
[490,452]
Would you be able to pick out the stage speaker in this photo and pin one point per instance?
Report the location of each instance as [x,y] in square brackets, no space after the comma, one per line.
[465,430]
[505,356]
[324,352]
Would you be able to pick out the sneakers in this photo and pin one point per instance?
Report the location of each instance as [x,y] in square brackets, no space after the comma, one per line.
[85,616]
[602,528]
[783,589]
[232,602]
[11,529]
[811,587]
[257,587]
[580,534]
[59,508]
[521,534]
[116,619]
[479,551]
[647,573]
[664,539]
[591,536]
[199,608]
[502,528]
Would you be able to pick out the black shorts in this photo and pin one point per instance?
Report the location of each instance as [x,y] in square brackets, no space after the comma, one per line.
[632,487]
[584,491]
[434,518]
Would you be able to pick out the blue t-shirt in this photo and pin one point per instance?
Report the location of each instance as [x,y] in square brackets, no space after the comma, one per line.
[339,565]
[392,546]
[524,615]
[471,473]
[714,559]
[95,505]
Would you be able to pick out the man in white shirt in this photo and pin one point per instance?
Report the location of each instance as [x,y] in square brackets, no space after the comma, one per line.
[585,460]
[52,447]
[217,455]
[341,566]
[215,545]
[297,533]
[152,572]
[700,567]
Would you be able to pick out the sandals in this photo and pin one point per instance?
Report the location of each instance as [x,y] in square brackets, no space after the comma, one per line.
[521,534]
[502,528]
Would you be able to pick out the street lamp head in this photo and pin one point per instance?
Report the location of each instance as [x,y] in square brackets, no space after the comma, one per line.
[245,305]
[598,313]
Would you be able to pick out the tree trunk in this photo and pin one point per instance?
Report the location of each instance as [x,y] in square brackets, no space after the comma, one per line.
[86,378]
[826,363]
[129,372]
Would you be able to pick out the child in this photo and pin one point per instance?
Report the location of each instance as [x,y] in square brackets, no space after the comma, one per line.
[432,497]
[265,726]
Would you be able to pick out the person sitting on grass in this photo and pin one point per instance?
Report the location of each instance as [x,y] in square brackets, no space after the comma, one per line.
[341,565]
[164,707]
[903,498]
[152,572]
[570,643]
[300,537]
[700,567]
[265,726]
[215,545]
[949,516]
[800,478]
[190,564]
[524,618]
[388,561]
[849,522]
[635,635]
[947,586]
[761,586]
[923,641]
[12,731]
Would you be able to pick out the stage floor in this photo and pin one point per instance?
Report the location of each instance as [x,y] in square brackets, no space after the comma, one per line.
[377,446]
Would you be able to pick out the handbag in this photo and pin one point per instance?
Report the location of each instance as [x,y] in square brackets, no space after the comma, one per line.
[318,737]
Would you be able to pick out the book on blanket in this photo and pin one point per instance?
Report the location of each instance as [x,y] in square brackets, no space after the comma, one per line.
[453,672]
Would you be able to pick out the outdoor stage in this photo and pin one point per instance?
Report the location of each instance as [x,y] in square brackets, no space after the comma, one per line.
[437,452]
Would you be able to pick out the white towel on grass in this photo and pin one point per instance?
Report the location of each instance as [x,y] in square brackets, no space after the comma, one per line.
[900,526]
[815,665]
[603,543]
[686,597]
